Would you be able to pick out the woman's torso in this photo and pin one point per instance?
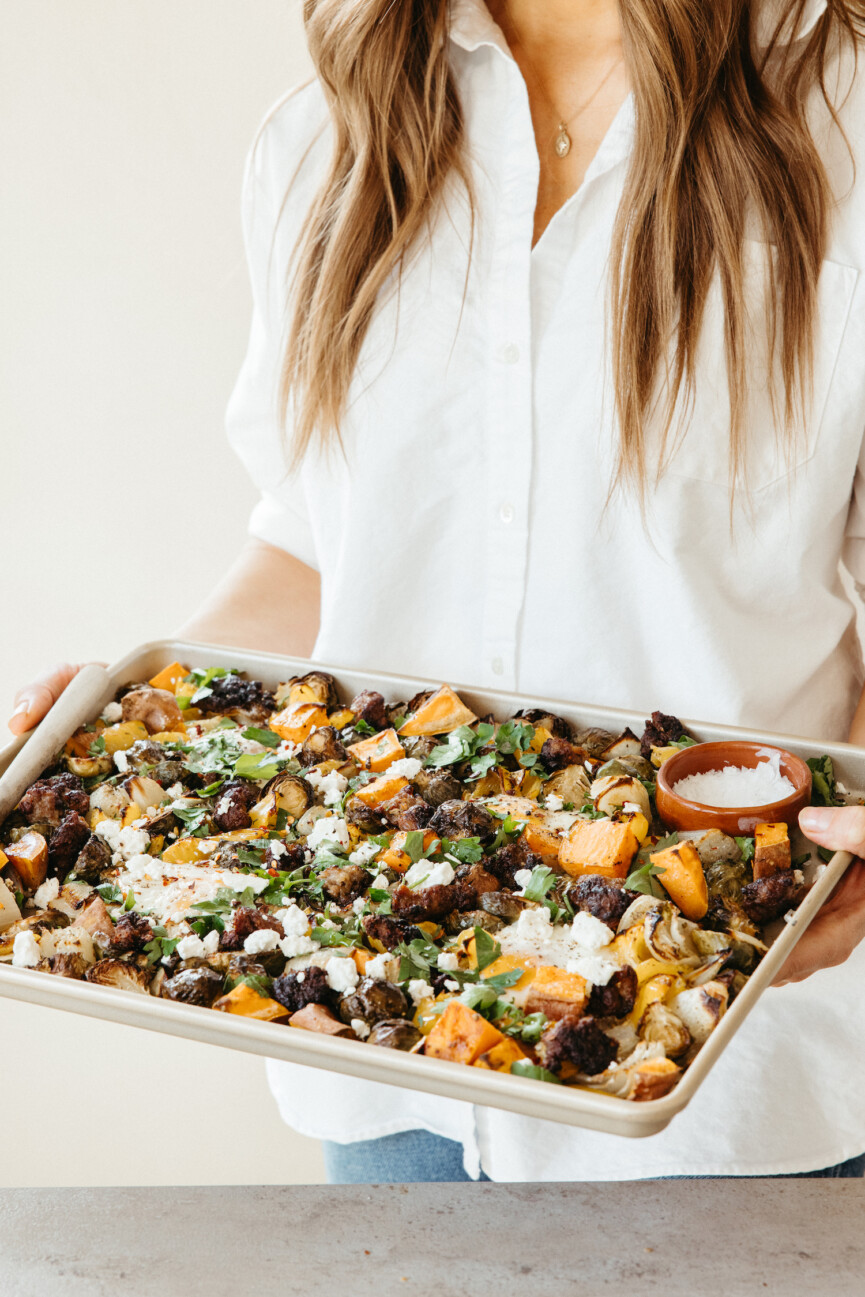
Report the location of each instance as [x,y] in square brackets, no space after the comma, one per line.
[467,534]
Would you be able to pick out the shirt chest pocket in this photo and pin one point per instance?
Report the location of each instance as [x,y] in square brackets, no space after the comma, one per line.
[702,452]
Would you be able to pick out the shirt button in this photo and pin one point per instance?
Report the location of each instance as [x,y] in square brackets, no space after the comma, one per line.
[498,666]
[510,354]
[506,513]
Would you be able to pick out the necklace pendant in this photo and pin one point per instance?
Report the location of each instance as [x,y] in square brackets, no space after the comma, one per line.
[563,141]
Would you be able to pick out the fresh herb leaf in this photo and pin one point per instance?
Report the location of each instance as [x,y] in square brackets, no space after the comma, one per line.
[824,790]
[415,958]
[256,765]
[504,981]
[414,848]
[487,949]
[479,996]
[799,862]
[825,854]
[462,743]
[258,983]
[129,900]
[250,855]
[110,893]
[196,819]
[541,883]
[524,1068]
[363,727]
[642,879]
[97,747]
[468,851]
[161,946]
[211,788]
[747,847]
[509,832]
[267,738]
[331,937]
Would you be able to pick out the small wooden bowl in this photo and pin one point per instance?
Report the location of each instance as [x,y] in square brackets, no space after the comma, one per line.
[680,813]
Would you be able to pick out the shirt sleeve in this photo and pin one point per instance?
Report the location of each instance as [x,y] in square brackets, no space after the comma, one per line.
[281,516]
[853,552]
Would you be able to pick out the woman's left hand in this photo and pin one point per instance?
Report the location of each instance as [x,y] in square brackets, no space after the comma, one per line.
[840,924]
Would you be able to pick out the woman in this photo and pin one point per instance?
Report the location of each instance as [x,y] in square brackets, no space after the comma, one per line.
[533,260]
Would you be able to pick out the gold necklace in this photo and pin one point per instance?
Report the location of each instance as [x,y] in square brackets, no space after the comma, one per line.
[562,141]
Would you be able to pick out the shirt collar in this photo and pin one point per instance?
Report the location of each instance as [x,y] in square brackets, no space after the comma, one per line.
[472,24]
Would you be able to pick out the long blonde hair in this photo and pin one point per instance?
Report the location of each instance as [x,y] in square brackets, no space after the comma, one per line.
[716,138]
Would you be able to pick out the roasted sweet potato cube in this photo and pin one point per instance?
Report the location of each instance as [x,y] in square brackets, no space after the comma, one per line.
[244,999]
[771,849]
[381,790]
[500,1057]
[169,677]
[652,1079]
[683,878]
[604,847]
[378,751]
[297,721]
[442,712]
[29,858]
[398,859]
[545,841]
[461,1035]
[556,993]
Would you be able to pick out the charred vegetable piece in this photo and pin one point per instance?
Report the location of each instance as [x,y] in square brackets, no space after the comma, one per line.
[29,858]
[230,694]
[157,709]
[295,990]
[193,986]
[233,803]
[369,706]
[683,878]
[66,843]
[394,1033]
[578,1041]
[372,1001]
[321,745]
[456,819]
[120,975]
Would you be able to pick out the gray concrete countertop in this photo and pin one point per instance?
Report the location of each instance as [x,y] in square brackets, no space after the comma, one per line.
[670,1238]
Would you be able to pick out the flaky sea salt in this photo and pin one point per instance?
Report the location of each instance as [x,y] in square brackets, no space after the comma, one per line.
[737,785]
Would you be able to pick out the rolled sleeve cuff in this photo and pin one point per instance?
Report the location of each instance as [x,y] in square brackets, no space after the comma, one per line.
[275,523]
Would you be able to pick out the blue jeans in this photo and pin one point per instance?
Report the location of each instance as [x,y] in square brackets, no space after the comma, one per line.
[416,1155]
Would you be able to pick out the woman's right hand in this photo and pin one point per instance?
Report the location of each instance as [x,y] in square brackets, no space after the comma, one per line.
[34,700]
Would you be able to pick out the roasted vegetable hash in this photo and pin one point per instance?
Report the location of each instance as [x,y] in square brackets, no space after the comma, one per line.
[499,894]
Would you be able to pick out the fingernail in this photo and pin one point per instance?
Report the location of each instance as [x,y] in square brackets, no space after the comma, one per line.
[23,706]
[814,818]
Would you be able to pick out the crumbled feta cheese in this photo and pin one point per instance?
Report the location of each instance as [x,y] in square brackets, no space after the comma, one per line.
[44,895]
[523,877]
[360,1028]
[380,883]
[342,974]
[798,877]
[296,944]
[223,806]
[590,933]
[277,848]
[329,828]
[448,961]
[191,947]
[121,761]
[451,985]
[25,950]
[294,921]
[211,942]
[632,808]
[419,990]
[109,831]
[112,713]
[260,940]
[240,882]
[287,750]
[533,925]
[427,874]
[553,802]
[131,842]
[176,790]
[408,767]
[378,968]
[593,968]
[363,853]
[331,786]
[329,923]
[358,905]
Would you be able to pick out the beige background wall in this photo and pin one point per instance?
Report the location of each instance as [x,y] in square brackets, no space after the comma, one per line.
[124,128]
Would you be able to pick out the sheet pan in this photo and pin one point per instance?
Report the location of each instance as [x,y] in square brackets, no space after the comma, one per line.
[570,1106]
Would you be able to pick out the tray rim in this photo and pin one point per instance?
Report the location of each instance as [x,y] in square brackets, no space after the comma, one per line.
[567,1105]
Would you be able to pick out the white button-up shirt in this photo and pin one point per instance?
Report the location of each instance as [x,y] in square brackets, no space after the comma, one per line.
[466,534]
